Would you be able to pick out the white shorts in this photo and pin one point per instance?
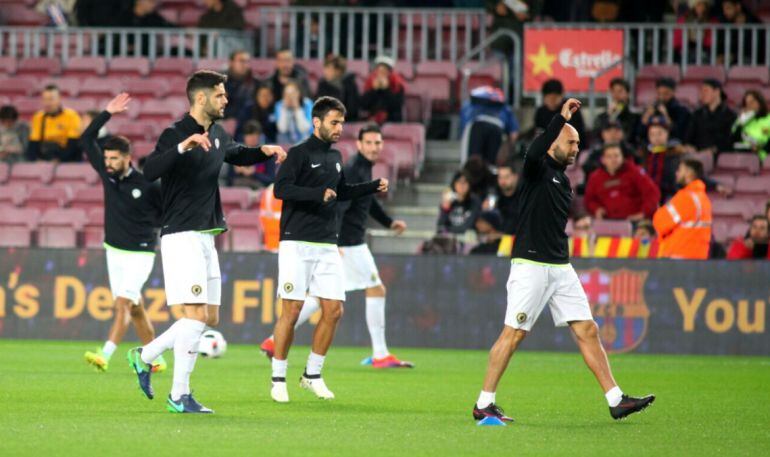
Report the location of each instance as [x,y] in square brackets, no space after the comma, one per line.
[191,268]
[310,269]
[532,286]
[128,271]
[359,267]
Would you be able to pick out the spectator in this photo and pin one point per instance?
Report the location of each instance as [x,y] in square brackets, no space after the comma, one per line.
[144,14]
[340,84]
[256,176]
[754,245]
[751,130]
[645,231]
[293,115]
[287,70]
[735,12]
[698,12]
[619,110]
[222,14]
[101,13]
[711,124]
[611,133]
[459,208]
[262,110]
[504,199]
[510,15]
[14,135]
[55,130]
[487,123]
[60,12]
[240,85]
[480,177]
[489,230]
[684,223]
[677,115]
[553,99]
[620,190]
[661,157]
[583,227]
[767,210]
[383,97]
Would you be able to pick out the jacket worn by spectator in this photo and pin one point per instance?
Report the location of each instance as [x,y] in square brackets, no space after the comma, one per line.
[711,129]
[298,74]
[230,17]
[460,216]
[684,223]
[55,136]
[629,121]
[739,251]
[384,105]
[629,191]
[344,90]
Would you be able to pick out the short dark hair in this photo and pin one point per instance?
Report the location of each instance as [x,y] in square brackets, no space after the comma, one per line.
[51,87]
[203,80]
[620,82]
[759,98]
[323,105]
[713,83]
[553,86]
[118,143]
[646,224]
[512,165]
[695,165]
[368,128]
[237,52]
[612,146]
[338,62]
[253,127]
[9,113]
[665,82]
[758,217]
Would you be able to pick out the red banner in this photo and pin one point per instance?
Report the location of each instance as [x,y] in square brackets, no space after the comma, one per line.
[572,56]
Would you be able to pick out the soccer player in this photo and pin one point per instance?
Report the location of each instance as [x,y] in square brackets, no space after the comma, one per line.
[541,273]
[310,182]
[131,213]
[188,158]
[357,261]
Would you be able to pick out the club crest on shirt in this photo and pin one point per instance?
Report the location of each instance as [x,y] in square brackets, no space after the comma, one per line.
[521,317]
[196,290]
[136,193]
[374,277]
[288,287]
[216,142]
[339,167]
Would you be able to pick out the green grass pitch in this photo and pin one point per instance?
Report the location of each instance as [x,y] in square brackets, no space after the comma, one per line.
[51,403]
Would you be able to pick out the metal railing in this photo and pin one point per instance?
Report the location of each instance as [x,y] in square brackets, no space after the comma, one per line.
[410,34]
[511,70]
[24,42]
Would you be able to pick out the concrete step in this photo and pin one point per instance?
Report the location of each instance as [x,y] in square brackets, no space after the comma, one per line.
[419,194]
[442,150]
[385,242]
[416,217]
[439,172]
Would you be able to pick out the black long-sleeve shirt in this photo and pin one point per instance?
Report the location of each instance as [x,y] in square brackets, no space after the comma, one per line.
[544,194]
[354,214]
[131,203]
[190,186]
[310,168]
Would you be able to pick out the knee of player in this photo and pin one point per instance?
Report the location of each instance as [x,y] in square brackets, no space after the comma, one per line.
[123,304]
[335,313]
[513,336]
[212,320]
[586,330]
[135,310]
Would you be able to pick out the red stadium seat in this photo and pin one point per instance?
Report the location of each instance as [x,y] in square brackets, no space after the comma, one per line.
[162,110]
[44,198]
[88,199]
[22,15]
[129,66]
[758,74]
[165,66]
[138,131]
[99,87]
[13,194]
[93,229]
[68,86]
[82,104]
[169,14]
[746,186]
[347,148]
[246,233]
[412,131]
[18,85]
[26,107]
[434,68]
[141,149]
[351,129]
[766,166]
[253,18]
[697,73]
[689,93]
[360,68]
[732,210]
[7,66]
[234,198]
[707,159]
[189,17]
[738,163]
[436,88]
[314,67]
[17,227]
[85,66]
[5,171]
[59,227]
[654,72]
[262,67]
[75,175]
[32,172]
[212,64]
[146,87]
[607,227]
[39,66]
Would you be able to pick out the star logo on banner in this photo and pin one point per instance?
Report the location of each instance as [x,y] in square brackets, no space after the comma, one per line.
[542,61]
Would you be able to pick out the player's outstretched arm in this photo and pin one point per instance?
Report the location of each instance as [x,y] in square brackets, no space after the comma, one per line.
[238,154]
[286,187]
[540,145]
[90,135]
[347,191]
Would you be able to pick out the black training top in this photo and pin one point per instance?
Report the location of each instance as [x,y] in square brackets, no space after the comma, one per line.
[544,196]
[355,214]
[189,183]
[311,167]
[131,203]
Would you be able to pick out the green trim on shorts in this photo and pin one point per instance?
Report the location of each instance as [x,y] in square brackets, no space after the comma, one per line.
[214,231]
[313,243]
[542,264]
[113,248]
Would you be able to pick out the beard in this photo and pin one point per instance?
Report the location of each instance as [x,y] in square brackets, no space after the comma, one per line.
[327,135]
[116,172]
[213,113]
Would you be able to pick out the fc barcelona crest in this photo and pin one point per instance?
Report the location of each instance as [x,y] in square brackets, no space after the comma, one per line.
[618,306]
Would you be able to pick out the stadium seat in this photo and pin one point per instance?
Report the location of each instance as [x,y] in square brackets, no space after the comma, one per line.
[161,110]
[129,66]
[229,125]
[93,229]
[645,93]
[17,227]
[746,186]
[82,104]
[84,67]
[253,18]
[99,87]
[351,129]
[32,172]
[314,67]
[697,73]
[137,131]
[234,198]
[732,210]
[47,197]
[13,194]
[606,227]
[22,15]
[68,86]
[26,106]
[689,93]
[7,66]
[726,179]
[347,148]
[17,86]
[141,149]
[146,88]
[169,14]
[758,74]
[246,233]
[59,227]
[438,89]
[262,68]
[75,175]
[212,64]
[707,159]
[654,72]
[738,163]
[5,171]
[360,68]
[402,154]
[189,17]
[38,66]
[412,131]
[766,166]
[168,66]
[87,199]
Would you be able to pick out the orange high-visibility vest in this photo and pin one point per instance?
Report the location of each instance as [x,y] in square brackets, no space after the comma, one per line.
[270,217]
[684,224]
